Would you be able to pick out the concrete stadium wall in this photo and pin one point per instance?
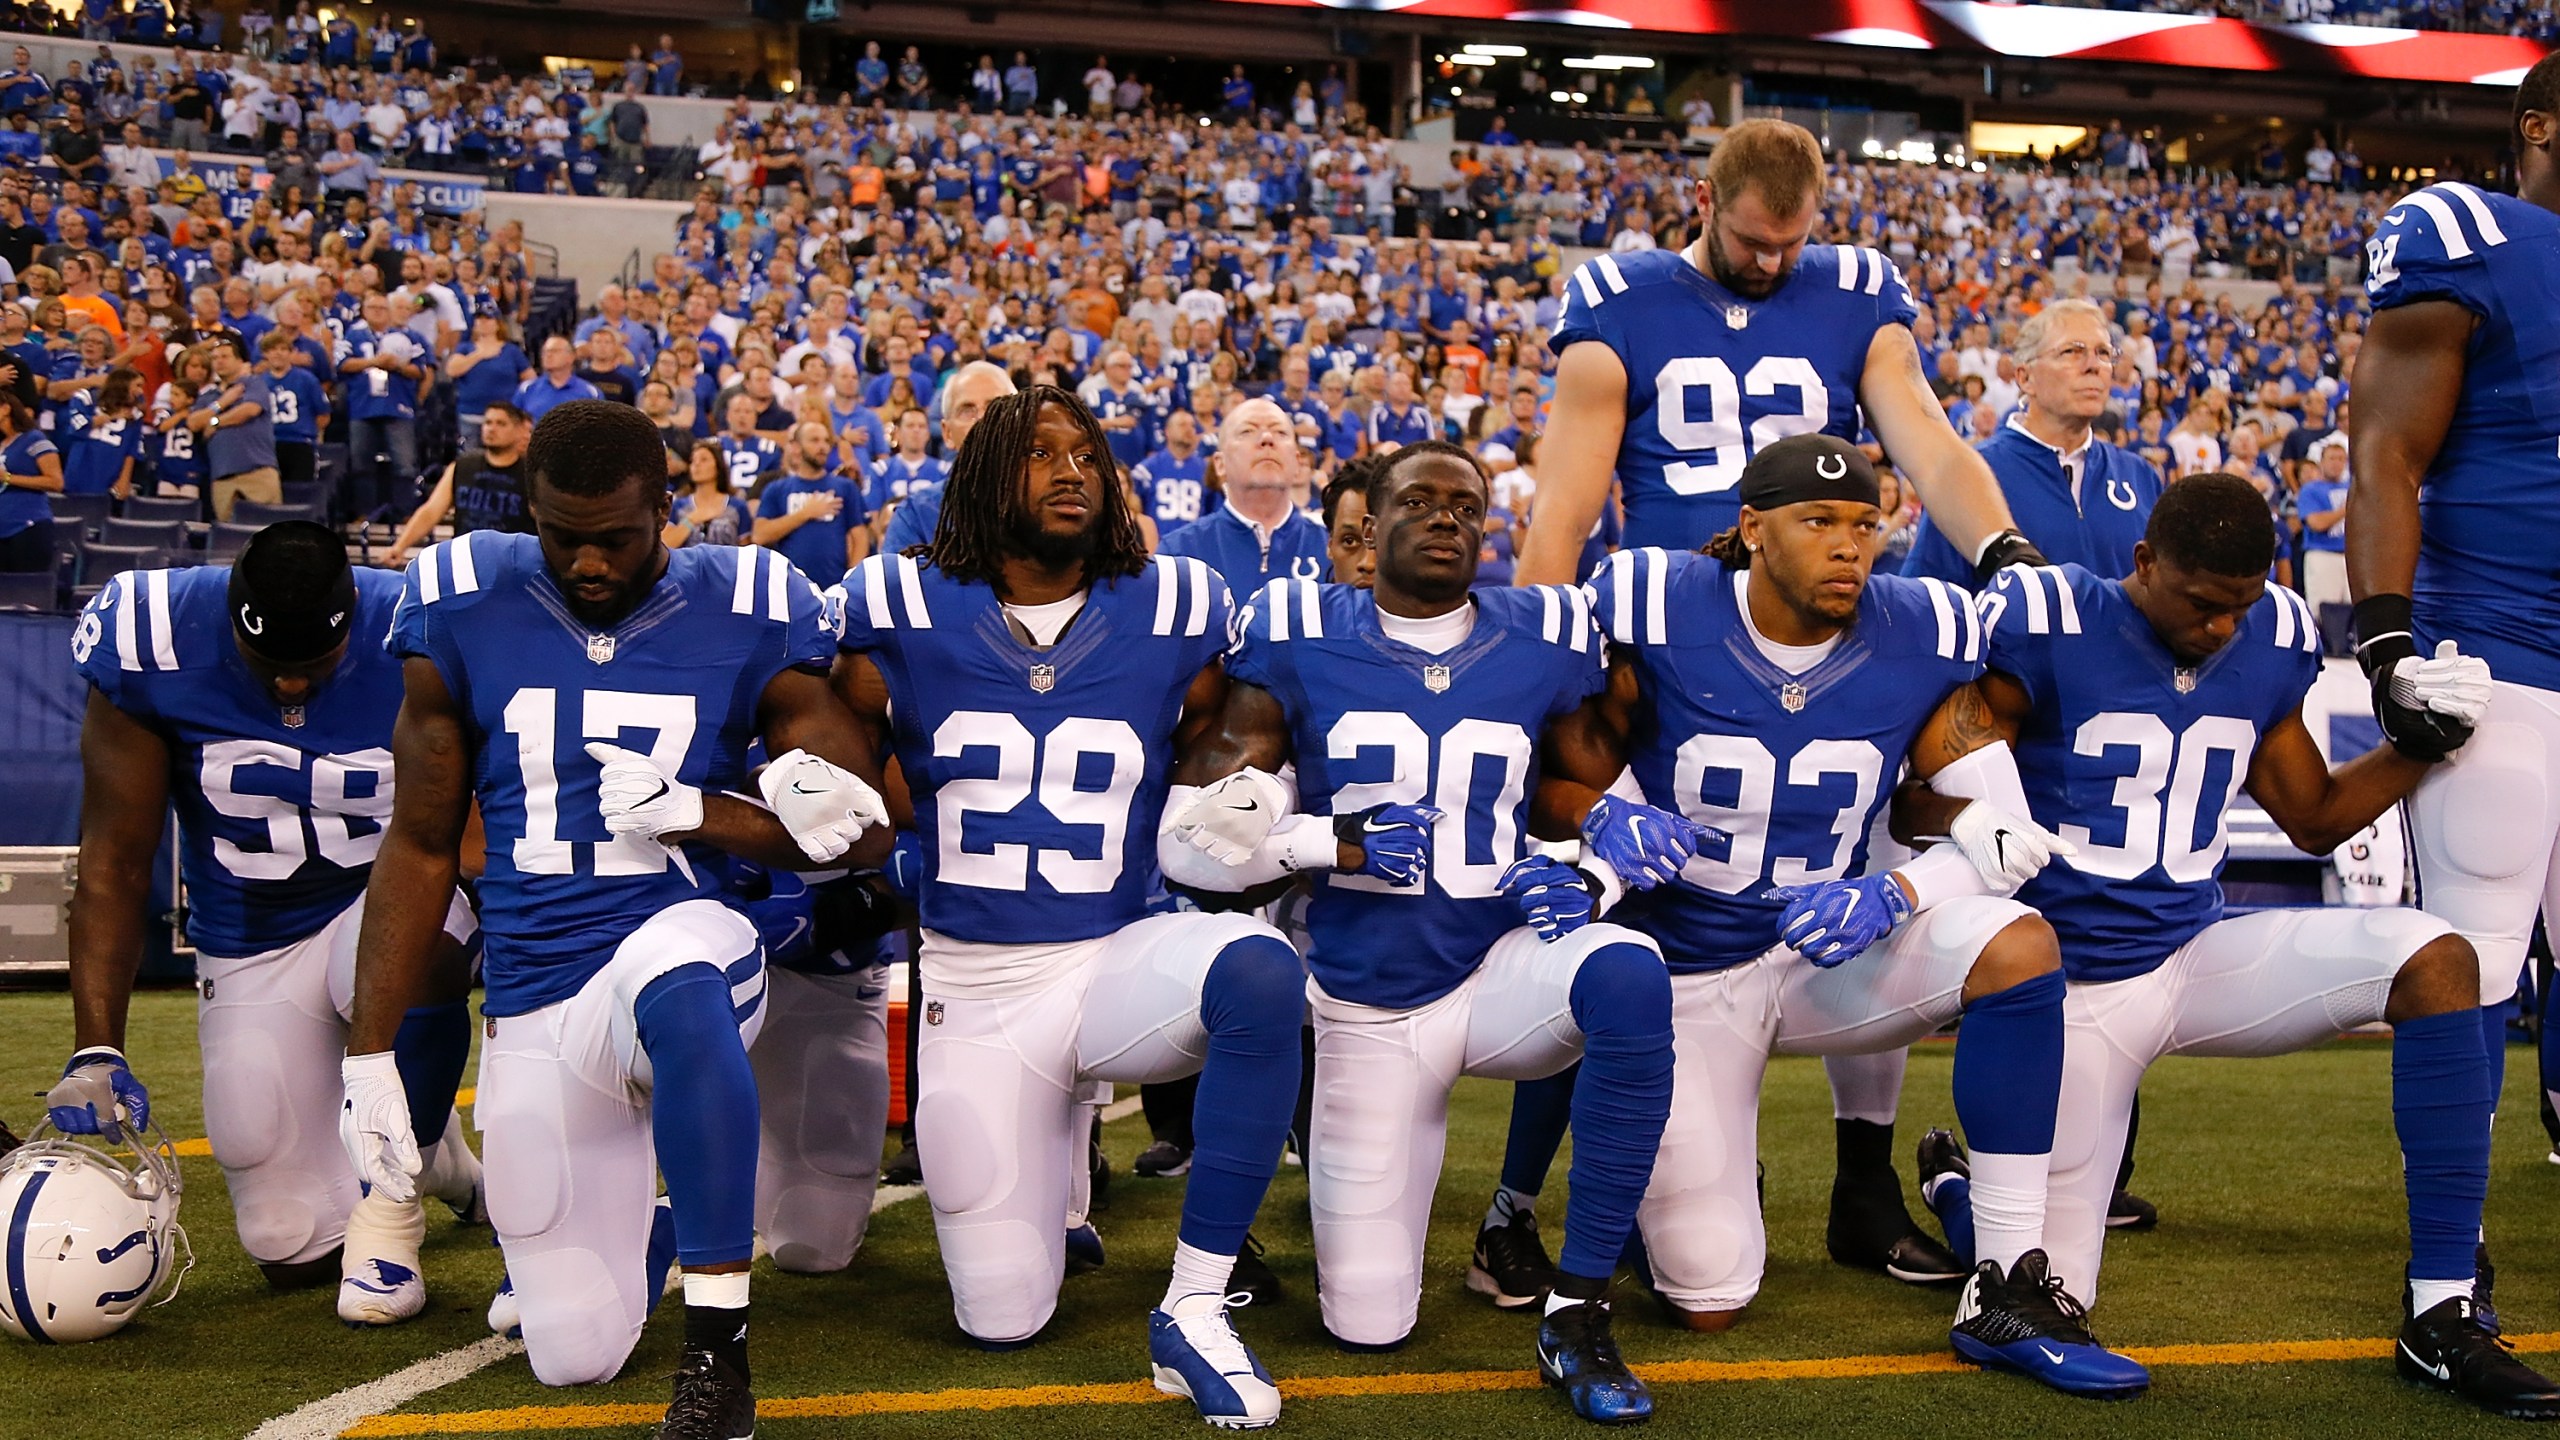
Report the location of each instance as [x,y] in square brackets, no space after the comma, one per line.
[595,237]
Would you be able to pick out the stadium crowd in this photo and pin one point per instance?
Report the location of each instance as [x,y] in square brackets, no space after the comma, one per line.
[2530,18]
[842,260]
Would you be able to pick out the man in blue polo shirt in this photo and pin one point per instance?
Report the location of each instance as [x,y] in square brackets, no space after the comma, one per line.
[2081,500]
[1401,419]
[557,383]
[1261,534]
[811,514]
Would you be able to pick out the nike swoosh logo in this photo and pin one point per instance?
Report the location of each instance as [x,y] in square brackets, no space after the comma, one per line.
[2049,1355]
[1848,909]
[798,789]
[1247,807]
[2000,843]
[2440,1370]
[654,794]
[1372,827]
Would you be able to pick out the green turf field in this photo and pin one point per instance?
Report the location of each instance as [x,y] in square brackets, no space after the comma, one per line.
[2277,1180]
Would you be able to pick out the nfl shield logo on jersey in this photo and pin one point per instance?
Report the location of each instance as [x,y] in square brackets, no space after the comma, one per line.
[1435,678]
[1791,696]
[1737,317]
[600,648]
[1044,678]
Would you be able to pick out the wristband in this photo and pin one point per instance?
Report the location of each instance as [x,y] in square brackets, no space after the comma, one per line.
[2004,549]
[2384,633]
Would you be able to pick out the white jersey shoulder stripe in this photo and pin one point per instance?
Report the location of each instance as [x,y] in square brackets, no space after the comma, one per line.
[2284,618]
[1581,602]
[1657,579]
[1310,609]
[2031,590]
[1944,609]
[2490,234]
[164,639]
[1201,604]
[742,595]
[2457,245]
[1972,626]
[1168,593]
[1847,265]
[1875,270]
[875,590]
[1275,609]
[1610,274]
[1550,614]
[2066,605]
[1622,596]
[466,570]
[1590,288]
[777,589]
[125,603]
[911,591]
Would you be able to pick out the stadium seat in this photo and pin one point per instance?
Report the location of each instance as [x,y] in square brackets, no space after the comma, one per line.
[181,508]
[311,495]
[165,534]
[102,563]
[89,512]
[30,590]
[224,543]
[250,512]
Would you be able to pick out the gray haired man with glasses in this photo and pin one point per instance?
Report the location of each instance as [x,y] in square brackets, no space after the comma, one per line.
[2080,499]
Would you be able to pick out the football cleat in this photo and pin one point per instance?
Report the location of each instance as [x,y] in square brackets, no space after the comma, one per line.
[1202,1359]
[1870,1230]
[505,1316]
[452,1175]
[1084,1249]
[1946,1187]
[712,1400]
[2484,1286]
[2449,1349]
[2128,1211]
[904,1168]
[1511,1265]
[1578,1355]
[1252,1276]
[2025,1321]
[378,1279]
[1161,1161]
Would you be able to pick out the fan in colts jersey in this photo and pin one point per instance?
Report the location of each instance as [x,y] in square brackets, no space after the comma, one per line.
[256,698]
[1673,369]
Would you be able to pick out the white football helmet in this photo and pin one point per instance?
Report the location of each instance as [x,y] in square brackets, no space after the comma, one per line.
[86,1236]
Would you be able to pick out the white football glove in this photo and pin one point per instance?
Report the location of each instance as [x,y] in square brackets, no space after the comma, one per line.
[1228,820]
[825,806]
[2006,850]
[640,799]
[373,1125]
[2452,684]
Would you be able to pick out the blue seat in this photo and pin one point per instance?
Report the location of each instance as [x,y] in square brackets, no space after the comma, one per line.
[89,512]
[181,508]
[224,543]
[251,512]
[102,563]
[163,534]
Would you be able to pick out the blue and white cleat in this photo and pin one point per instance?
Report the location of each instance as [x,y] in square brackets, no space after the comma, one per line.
[1578,1355]
[377,1291]
[1203,1359]
[2025,1321]
[1084,1249]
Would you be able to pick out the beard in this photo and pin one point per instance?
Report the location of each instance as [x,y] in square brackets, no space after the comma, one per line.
[1034,542]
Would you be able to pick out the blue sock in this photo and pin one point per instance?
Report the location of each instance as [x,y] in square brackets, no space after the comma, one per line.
[2493,1040]
[2550,1051]
[2440,1105]
[1540,1111]
[1951,1200]
[1622,1003]
[702,1112]
[2008,1079]
[433,1046]
[661,1254]
[1251,1001]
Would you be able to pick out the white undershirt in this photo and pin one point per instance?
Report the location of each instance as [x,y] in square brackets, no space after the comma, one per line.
[1794,659]
[1045,623]
[1437,635]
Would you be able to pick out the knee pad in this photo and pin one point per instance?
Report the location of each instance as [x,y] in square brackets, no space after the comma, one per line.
[1255,984]
[577,1330]
[816,1229]
[1368,1281]
[1004,1283]
[2486,813]
[965,1170]
[1707,1250]
[1363,1127]
[247,1105]
[1622,988]
[281,1229]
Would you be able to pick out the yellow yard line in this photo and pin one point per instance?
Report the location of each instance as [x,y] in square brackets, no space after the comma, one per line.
[1674,1372]
[200,1146]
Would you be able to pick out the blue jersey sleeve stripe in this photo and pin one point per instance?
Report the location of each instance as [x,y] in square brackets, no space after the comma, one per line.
[2449,232]
[466,574]
[2490,234]
[1203,603]
[2065,604]
[164,640]
[911,591]
[1168,594]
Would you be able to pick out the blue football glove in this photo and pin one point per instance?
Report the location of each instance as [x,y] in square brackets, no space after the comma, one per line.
[1394,841]
[1836,921]
[94,1087]
[905,868]
[1555,898]
[1645,845]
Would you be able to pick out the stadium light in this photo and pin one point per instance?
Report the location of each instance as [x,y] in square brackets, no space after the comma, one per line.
[1577,62]
[1558,97]
[1581,99]
[1457,90]
[1626,62]
[1511,51]
[1479,61]
[1870,148]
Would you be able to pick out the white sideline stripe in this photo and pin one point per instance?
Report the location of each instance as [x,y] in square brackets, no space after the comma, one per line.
[330,1416]
[324,1418]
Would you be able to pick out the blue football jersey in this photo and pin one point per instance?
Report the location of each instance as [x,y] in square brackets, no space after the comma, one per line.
[1175,491]
[2486,579]
[1712,377]
[279,812]
[1794,767]
[1374,721]
[2134,758]
[678,680]
[1038,775]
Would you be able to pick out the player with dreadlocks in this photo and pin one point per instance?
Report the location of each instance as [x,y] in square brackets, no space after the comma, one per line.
[1036,672]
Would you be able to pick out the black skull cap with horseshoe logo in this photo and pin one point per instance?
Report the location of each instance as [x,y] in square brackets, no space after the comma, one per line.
[293,595]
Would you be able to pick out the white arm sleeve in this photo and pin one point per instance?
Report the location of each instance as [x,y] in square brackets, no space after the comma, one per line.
[1941,873]
[1990,773]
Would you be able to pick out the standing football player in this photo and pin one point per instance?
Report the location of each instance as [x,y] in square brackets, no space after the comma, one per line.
[255,698]
[1036,671]
[1699,358]
[2452,480]
[596,694]
[2136,710]
[1412,714]
[1770,687]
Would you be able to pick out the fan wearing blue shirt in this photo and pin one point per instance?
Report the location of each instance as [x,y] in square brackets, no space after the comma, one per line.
[813,515]
[1261,534]
[297,404]
[1122,410]
[1402,419]
[489,371]
[1173,483]
[557,384]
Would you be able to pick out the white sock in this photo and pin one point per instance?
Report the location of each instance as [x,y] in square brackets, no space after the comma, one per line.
[716,1292]
[1507,1204]
[2425,1295]
[1558,1300]
[1199,1282]
[2008,1206]
[384,1229]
